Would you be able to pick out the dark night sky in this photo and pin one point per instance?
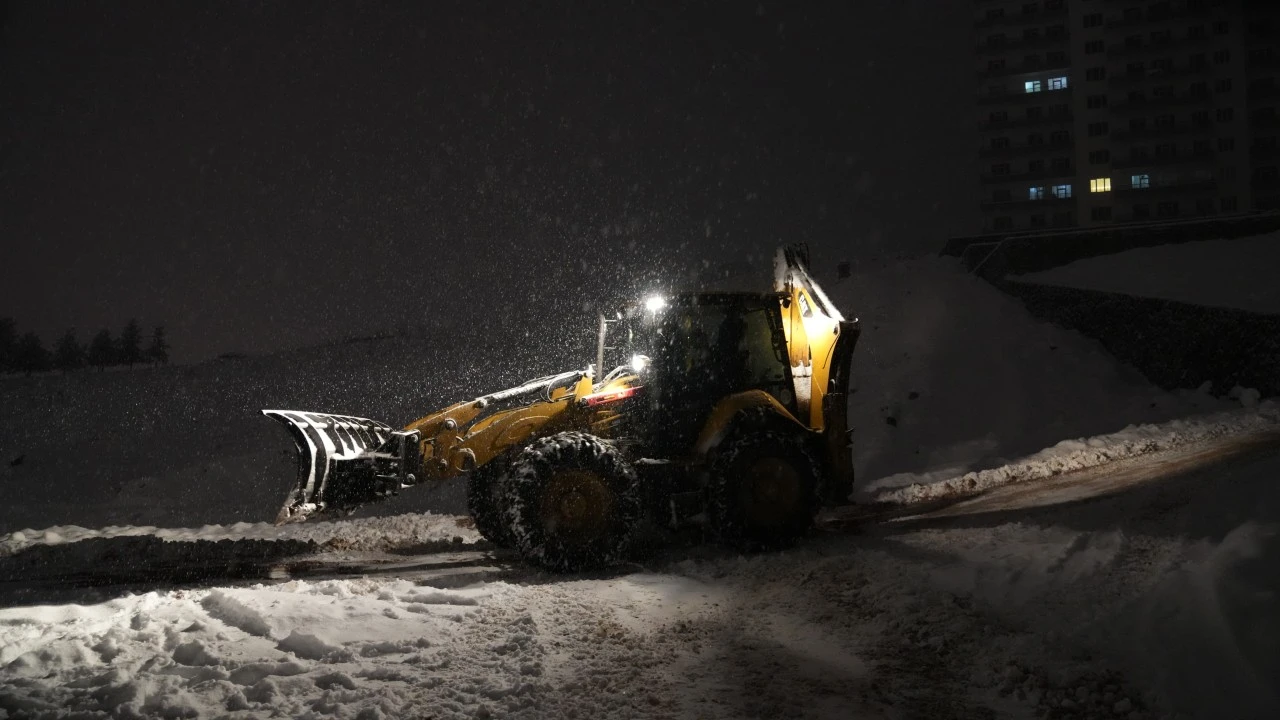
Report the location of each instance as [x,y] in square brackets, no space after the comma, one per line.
[267,175]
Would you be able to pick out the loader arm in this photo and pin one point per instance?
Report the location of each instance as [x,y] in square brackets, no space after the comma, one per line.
[820,344]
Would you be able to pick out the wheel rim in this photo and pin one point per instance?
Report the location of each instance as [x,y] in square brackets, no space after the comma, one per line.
[576,505]
[771,492]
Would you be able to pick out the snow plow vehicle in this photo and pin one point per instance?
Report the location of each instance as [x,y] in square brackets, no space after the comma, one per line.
[726,409]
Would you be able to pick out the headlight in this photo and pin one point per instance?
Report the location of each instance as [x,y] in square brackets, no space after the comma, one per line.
[655,303]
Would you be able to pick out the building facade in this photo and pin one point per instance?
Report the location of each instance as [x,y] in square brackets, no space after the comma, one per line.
[1096,112]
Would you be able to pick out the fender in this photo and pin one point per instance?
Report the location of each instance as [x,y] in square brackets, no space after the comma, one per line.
[722,415]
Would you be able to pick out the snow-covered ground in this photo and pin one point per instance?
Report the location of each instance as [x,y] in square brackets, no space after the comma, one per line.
[1152,600]
[1238,273]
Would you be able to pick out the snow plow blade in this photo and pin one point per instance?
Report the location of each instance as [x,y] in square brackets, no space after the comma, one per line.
[343,462]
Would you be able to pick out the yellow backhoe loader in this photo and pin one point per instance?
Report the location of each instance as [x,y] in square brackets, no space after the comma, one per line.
[723,408]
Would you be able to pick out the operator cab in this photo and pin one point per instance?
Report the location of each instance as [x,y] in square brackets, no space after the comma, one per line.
[691,350]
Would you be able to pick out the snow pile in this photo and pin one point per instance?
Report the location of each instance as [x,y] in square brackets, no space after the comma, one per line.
[1238,273]
[952,376]
[1070,455]
[421,531]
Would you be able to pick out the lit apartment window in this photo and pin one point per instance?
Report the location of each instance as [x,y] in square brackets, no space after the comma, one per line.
[1100,185]
[1058,83]
[1061,191]
[1032,86]
[1036,192]
[1140,181]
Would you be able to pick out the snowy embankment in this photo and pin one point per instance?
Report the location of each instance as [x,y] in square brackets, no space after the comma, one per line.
[425,531]
[1072,455]
[1239,274]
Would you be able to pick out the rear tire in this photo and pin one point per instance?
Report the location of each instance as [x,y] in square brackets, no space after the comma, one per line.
[574,502]
[765,487]
[485,502]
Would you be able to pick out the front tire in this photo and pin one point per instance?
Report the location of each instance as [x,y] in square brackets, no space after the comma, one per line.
[765,487]
[485,502]
[574,502]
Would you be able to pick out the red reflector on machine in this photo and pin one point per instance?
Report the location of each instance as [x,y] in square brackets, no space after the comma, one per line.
[611,396]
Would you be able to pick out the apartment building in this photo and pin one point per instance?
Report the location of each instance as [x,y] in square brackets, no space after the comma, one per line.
[1095,112]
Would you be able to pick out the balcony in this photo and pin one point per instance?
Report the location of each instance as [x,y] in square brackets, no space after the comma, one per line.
[1148,104]
[1154,75]
[1155,132]
[1265,122]
[1049,202]
[1066,174]
[1020,150]
[1178,44]
[1024,98]
[1025,122]
[1147,19]
[1164,191]
[1191,158]
[1026,69]
[1023,44]
[1262,93]
[1023,18]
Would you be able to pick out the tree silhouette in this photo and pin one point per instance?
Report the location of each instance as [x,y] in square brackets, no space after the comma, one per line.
[69,354]
[158,351]
[102,351]
[8,345]
[31,355]
[131,344]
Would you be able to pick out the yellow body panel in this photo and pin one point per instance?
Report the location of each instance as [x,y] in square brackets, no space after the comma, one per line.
[470,434]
